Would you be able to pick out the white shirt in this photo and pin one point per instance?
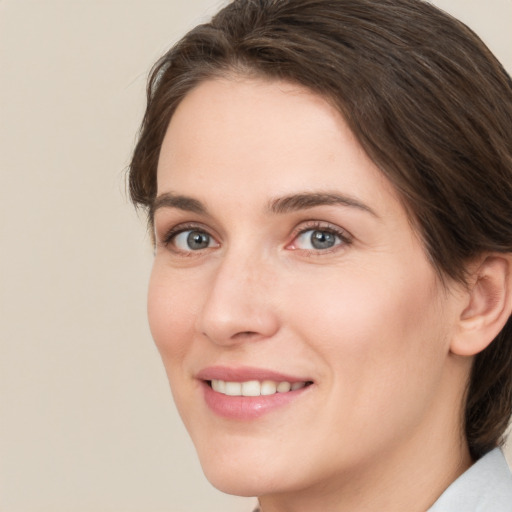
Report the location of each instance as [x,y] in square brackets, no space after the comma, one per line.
[485,487]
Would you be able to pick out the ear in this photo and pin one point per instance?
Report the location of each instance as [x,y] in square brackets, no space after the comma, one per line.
[488,306]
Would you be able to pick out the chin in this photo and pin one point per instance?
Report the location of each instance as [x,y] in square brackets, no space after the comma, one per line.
[235,484]
[243,476]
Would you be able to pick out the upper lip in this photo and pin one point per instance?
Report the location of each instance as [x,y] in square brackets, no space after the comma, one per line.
[246,373]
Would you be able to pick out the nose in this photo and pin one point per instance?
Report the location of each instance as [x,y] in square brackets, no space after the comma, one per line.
[240,302]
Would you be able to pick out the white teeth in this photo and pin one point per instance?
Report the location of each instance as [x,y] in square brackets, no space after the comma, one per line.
[251,388]
[268,387]
[219,385]
[254,387]
[233,388]
[284,387]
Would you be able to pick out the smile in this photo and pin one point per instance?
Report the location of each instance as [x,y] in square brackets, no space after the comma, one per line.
[254,387]
[246,393]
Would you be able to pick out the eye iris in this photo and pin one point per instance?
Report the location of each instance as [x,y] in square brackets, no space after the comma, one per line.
[322,239]
[197,240]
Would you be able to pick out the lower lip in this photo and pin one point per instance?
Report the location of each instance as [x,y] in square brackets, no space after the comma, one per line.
[247,407]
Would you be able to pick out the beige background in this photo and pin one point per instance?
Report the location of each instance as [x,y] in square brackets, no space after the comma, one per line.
[86,419]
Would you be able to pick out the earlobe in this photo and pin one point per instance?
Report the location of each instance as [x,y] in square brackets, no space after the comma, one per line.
[488,307]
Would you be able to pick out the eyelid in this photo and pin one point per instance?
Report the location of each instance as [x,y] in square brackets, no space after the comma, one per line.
[311,225]
[346,238]
[168,235]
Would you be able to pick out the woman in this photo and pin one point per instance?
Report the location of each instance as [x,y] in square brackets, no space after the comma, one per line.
[329,184]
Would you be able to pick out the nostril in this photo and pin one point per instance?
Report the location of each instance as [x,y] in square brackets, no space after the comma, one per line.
[244,335]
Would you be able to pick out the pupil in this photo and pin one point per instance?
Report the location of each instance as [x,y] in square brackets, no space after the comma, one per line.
[322,240]
[197,240]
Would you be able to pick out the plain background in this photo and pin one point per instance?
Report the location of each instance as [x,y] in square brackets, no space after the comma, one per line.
[86,418]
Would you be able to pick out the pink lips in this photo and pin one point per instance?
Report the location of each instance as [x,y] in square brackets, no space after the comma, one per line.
[245,373]
[243,407]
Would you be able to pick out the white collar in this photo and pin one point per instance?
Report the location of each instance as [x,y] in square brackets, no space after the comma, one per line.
[485,487]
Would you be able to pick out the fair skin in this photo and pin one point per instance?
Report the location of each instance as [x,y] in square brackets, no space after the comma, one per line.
[281,247]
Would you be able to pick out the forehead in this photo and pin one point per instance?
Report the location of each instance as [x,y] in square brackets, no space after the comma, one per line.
[253,138]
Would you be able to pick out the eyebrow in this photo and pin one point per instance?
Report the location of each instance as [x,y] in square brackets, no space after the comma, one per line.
[295,202]
[280,205]
[185,203]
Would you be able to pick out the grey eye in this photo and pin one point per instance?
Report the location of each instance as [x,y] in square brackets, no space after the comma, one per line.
[193,240]
[317,239]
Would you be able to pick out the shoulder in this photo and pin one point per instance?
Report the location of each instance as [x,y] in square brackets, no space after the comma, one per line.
[485,486]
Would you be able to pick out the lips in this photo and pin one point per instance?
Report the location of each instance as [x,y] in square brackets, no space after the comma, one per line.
[246,373]
[247,393]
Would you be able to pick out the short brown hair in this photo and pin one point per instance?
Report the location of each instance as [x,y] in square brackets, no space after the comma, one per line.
[427,101]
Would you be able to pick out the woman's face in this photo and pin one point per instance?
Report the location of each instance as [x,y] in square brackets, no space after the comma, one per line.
[284,260]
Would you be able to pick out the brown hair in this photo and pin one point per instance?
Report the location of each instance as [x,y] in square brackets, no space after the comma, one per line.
[426,99]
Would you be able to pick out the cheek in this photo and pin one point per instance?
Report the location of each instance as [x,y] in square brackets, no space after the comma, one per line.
[374,327]
[379,342]
[171,314]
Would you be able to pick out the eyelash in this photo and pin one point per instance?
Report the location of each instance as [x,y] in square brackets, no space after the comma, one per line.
[181,228]
[344,236]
